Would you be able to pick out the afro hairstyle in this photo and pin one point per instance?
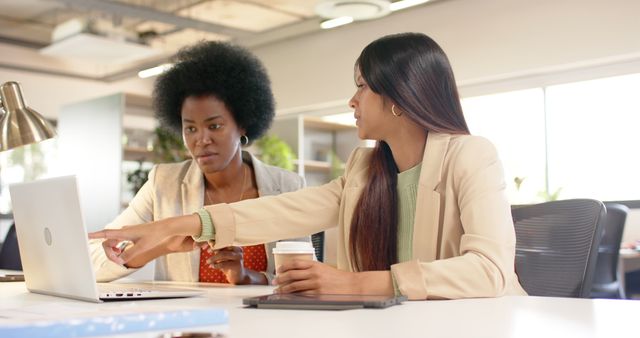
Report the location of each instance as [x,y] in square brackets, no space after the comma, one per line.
[230,73]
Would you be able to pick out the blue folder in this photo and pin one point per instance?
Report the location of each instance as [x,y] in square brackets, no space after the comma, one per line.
[116,324]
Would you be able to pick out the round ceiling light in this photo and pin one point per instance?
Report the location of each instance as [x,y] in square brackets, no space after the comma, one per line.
[356,9]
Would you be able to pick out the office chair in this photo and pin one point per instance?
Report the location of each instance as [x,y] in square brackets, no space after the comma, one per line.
[556,246]
[605,281]
[9,253]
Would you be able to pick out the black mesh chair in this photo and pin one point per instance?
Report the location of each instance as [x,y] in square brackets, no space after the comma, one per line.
[10,253]
[605,281]
[557,245]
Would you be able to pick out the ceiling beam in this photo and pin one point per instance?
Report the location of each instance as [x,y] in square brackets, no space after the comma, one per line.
[36,70]
[127,10]
[295,29]
[22,42]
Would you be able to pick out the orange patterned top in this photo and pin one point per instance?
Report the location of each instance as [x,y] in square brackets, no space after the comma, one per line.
[255,258]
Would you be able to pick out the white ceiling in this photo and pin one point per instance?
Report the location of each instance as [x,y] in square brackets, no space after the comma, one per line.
[153,30]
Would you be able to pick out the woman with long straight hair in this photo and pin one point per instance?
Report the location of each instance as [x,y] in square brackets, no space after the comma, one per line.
[423,214]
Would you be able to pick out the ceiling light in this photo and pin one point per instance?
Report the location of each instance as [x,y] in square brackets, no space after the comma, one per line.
[356,9]
[101,44]
[345,119]
[398,5]
[157,70]
[333,23]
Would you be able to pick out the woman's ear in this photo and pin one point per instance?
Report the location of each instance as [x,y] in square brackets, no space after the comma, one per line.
[242,131]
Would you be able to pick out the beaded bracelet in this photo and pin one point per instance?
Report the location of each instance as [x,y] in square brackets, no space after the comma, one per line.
[208,231]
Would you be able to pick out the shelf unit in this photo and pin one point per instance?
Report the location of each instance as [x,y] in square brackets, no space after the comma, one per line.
[136,153]
[314,140]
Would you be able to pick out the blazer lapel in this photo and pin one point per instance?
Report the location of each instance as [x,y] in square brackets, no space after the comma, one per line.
[192,199]
[426,229]
[267,185]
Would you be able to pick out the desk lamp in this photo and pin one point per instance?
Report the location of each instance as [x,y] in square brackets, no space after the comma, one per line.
[19,124]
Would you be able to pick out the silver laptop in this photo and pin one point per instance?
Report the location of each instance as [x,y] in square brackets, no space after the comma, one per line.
[54,247]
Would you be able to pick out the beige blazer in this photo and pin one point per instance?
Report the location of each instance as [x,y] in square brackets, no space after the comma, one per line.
[463,237]
[177,189]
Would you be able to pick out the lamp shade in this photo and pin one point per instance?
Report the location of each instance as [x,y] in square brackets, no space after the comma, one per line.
[19,124]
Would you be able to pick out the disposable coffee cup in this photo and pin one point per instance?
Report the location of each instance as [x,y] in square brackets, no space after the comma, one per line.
[285,252]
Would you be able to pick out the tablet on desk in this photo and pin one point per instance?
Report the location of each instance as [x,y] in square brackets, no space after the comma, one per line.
[322,302]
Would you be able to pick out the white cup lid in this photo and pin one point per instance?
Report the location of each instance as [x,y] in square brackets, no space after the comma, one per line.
[293,248]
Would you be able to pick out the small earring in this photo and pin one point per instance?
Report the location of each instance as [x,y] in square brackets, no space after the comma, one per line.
[244,140]
[393,111]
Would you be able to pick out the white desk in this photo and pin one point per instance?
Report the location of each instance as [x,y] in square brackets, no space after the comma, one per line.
[520,317]
[628,260]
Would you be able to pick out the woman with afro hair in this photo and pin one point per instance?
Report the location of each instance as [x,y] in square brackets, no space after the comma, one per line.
[218,97]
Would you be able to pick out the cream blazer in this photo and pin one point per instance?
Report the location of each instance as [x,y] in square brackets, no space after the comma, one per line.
[177,189]
[463,235]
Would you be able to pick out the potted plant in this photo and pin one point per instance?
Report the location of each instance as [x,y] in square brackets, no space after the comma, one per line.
[167,148]
[274,151]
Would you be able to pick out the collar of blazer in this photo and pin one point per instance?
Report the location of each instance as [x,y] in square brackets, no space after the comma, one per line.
[427,227]
[193,183]
[267,185]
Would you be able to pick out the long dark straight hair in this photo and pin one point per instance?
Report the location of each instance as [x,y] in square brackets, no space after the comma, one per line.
[412,72]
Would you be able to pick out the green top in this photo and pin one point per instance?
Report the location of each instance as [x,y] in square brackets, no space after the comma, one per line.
[407,192]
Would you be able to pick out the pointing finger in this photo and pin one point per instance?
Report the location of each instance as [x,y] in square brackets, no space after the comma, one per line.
[110,234]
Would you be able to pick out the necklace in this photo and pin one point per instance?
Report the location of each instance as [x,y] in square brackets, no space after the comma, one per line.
[244,183]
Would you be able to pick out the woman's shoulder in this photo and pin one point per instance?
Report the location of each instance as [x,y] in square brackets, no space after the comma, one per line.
[359,157]
[470,151]
[358,163]
[274,178]
[471,144]
[278,172]
[167,171]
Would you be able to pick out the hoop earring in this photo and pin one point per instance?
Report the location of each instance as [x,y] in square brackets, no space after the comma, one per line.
[393,111]
[244,140]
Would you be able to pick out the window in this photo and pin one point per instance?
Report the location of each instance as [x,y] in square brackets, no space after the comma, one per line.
[514,123]
[593,130]
[23,164]
[573,140]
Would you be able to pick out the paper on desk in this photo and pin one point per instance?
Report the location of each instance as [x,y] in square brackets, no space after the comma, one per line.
[87,320]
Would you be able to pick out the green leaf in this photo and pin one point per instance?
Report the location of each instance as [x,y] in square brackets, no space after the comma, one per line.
[274,151]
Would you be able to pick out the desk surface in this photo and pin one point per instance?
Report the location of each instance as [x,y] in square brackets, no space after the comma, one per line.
[629,260]
[495,318]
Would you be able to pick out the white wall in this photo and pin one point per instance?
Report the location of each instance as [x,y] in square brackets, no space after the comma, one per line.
[632,226]
[486,41]
[47,93]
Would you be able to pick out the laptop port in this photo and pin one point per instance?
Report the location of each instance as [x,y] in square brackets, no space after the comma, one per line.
[118,295]
[129,294]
